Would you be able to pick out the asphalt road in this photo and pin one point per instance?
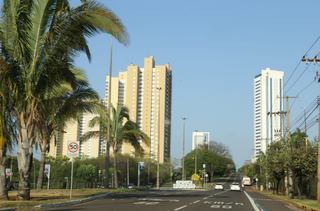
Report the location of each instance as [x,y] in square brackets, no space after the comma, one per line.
[184,200]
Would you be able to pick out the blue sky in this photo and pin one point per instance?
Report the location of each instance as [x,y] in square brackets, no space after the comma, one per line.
[215,49]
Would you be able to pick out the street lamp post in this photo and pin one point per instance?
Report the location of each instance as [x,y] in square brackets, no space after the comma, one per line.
[34,176]
[158,163]
[195,156]
[184,119]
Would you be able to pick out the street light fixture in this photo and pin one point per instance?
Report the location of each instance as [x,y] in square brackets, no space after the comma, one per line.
[158,163]
[184,119]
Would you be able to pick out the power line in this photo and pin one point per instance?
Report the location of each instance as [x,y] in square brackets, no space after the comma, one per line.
[298,78]
[300,61]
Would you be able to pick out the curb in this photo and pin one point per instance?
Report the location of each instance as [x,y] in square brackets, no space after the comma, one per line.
[68,203]
[8,209]
[303,206]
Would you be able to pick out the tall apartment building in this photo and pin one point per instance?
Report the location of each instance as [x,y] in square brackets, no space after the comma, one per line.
[268,93]
[72,132]
[200,138]
[147,92]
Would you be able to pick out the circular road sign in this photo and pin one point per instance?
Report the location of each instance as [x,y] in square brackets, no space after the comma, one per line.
[46,171]
[73,147]
[8,173]
[206,175]
[141,168]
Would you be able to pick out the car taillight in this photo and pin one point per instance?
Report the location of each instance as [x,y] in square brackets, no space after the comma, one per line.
[231,185]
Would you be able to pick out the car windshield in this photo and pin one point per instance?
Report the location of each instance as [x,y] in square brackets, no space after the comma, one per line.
[218,184]
[235,183]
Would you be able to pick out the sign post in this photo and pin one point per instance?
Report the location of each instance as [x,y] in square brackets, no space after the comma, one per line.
[140,169]
[8,172]
[73,151]
[47,172]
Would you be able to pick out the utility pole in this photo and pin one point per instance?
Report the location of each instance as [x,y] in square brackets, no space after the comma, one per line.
[317,77]
[290,177]
[184,119]
[288,114]
[263,139]
[305,126]
[195,154]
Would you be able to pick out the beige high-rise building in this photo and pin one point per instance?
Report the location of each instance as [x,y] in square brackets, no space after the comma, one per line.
[147,92]
[72,132]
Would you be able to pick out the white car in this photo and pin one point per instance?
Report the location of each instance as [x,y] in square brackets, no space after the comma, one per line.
[218,186]
[235,186]
[131,185]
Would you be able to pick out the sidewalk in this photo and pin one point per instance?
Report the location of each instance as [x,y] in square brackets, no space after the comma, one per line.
[294,203]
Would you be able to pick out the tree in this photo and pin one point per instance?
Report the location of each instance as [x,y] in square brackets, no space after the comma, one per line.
[64,104]
[39,40]
[120,132]
[86,172]
[7,123]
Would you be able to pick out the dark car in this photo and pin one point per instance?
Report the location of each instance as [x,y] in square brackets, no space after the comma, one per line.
[123,186]
[150,185]
[111,185]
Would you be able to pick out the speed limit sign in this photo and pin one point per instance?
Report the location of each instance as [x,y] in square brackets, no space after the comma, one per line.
[73,149]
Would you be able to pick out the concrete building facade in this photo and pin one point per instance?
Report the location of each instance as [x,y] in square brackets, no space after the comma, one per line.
[147,92]
[200,138]
[268,99]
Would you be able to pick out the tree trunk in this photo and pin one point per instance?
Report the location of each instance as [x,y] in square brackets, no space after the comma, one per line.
[278,182]
[41,168]
[3,188]
[297,187]
[115,168]
[24,156]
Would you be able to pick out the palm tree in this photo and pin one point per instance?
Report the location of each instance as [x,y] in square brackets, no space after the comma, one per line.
[39,41]
[120,133]
[63,104]
[7,124]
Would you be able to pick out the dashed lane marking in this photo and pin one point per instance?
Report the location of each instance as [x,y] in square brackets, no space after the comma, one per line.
[179,208]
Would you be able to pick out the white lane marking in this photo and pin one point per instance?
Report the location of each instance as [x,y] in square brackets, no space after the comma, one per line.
[179,208]
[205,198]
[196,201]
[252,202]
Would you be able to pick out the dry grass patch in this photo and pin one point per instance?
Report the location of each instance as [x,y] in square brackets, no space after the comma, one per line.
[45,196]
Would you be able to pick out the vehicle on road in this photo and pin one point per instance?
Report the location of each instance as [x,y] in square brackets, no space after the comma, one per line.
[123,185]
[218,186]
[150,185]
[131,185]
[235,186]
[246,180]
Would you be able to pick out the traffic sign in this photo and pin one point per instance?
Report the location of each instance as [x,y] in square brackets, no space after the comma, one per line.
[73,149]
[141,166]
[47,170]
[8,172]
[206,175]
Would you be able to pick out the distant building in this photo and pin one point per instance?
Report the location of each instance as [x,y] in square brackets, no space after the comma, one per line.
[200,138]
[72,132]
[267,95]
[149,107]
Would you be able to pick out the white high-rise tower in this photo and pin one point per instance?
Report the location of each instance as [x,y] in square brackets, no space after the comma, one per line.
[268,93]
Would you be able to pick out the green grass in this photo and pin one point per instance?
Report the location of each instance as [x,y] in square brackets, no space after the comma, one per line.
[307,202]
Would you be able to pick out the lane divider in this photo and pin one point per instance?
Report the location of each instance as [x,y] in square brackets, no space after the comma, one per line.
[256,206]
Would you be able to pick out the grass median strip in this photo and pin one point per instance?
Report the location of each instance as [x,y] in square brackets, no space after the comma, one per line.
[306,202]
[51,196]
